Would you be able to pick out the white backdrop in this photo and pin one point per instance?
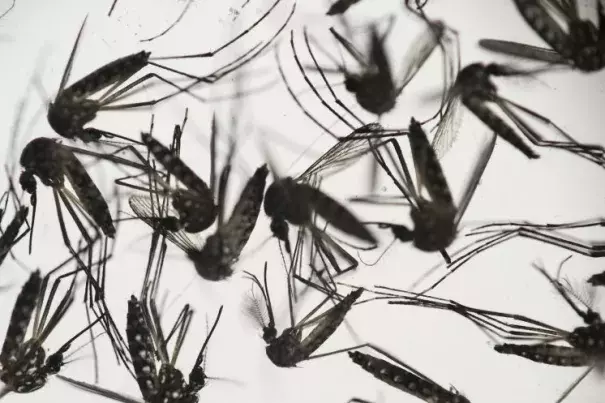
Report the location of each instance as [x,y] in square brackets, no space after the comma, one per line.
[38,36]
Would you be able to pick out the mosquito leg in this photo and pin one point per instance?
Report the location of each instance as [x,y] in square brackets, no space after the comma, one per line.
[310,84]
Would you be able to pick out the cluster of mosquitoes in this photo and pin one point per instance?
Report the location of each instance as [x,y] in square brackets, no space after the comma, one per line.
[178,205]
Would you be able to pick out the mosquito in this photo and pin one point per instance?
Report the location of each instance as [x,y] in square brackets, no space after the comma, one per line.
[214,259]
[296,201]
[147,341]
[474,88]
[73,108]
[586,345]
[290,347]
[573,41]
[24,366]
[499,232]
[405,378]
[375,87]
[436,220]
[365,91]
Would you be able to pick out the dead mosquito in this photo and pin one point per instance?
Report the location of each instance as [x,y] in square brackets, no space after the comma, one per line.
[290,347]
[573,41]
[24,366]
[298,201]
[586,345]
[436,220]
[148,348]
[73,108]
[214,259]
[475,90]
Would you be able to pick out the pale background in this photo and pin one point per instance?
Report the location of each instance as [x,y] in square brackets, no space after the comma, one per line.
[38,36]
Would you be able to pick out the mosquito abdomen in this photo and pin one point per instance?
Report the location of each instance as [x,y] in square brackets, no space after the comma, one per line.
[90,196]
[328,325]
[546,354]
[141,348]
[175,166]
[334,213]
[494,122]
[114,71]
[21,317]
[404,380]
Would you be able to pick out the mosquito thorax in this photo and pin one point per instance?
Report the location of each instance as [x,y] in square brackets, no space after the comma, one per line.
[196,213]
[582,34]
[434,227]
[44,158]
[276,203]
[68,116]
[475,78]
[590,339]
[372,91]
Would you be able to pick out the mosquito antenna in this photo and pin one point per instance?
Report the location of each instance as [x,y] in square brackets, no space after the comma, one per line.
[179,18]
[201,354]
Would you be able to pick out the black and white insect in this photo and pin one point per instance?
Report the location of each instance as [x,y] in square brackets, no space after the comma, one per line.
[475,89]
[436,220]
[24,365]
[151,364]
[573,41]
[148,348]
[298,201]
[585,344]
[375,87]
[214,259]
[73,107]
[290,347]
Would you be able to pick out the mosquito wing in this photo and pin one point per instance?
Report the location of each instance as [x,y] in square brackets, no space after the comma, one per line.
[344,153]
[475,178]
[423,46]
[428,169]
[522,50]
[146,210]
[448,129]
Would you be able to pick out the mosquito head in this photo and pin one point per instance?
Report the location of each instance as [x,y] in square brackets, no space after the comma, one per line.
[28,182]
[54,362]
[197,379]
[269,334]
